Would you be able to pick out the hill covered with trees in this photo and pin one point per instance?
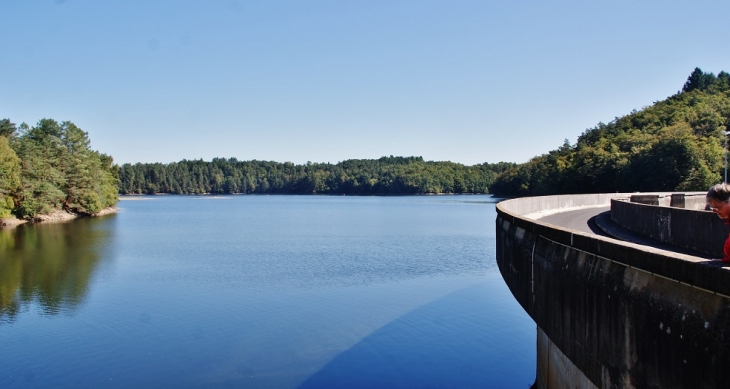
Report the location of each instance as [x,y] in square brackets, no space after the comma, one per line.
[50,167]
[387,175]
[675,144]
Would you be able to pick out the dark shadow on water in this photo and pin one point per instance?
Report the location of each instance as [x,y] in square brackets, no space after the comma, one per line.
[467,339]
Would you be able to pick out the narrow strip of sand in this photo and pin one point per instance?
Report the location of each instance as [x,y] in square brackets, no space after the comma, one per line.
[53,217]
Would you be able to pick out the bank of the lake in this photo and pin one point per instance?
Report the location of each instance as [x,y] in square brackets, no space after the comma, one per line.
[54,217]
[383,176]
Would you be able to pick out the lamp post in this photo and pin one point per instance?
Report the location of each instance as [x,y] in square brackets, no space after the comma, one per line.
[727,133]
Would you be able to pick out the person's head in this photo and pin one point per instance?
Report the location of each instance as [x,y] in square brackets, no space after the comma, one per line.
[718,199]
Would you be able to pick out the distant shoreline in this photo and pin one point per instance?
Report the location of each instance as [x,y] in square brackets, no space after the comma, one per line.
[54,217]
[131,196]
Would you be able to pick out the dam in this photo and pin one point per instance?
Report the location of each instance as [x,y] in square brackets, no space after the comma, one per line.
[622,287]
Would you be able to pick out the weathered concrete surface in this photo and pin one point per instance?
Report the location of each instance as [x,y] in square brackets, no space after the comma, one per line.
[651,199]
[694,229]
[692,200]
[555,370]
[689,200]
[624,315]
[544,205]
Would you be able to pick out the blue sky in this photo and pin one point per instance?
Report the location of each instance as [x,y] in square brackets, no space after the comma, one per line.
[324,81]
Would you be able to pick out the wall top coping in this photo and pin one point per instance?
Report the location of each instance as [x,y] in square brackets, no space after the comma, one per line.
[539,206]
[688,269]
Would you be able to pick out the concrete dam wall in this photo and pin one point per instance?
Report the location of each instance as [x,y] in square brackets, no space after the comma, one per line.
[687,228]
[613,314]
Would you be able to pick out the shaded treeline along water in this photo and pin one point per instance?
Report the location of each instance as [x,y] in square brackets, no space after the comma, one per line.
[674,144]
[387,175]
[50,167]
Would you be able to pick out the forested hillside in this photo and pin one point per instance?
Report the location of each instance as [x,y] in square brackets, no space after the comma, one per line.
[50,167]
[387,175]
[675,144]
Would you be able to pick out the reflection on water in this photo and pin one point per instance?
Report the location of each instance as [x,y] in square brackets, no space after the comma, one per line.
[264,292]
[48,265]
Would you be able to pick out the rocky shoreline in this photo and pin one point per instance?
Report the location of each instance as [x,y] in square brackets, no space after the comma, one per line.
[53,217]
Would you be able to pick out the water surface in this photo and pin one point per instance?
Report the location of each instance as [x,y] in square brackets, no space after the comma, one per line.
[263,292]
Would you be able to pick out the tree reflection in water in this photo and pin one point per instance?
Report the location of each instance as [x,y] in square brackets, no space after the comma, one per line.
[48,266]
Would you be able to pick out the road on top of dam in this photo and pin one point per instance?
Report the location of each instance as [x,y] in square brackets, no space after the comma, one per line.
[579,219]
[585,220]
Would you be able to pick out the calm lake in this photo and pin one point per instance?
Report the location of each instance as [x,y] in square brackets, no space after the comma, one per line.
[263,292]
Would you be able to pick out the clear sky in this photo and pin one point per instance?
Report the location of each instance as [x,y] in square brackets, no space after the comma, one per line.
[324,81]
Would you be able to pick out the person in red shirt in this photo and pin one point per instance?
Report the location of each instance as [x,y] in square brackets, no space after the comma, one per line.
[718,199]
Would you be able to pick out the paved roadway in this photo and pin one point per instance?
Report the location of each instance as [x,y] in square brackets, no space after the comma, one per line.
[583,220]
[579,219]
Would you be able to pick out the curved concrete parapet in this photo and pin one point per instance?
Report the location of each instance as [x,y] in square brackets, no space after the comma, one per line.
[613,314]
[693,229]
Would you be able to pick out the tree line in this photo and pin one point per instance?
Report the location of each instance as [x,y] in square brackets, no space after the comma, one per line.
[674,145]
[50,167]
[384,176]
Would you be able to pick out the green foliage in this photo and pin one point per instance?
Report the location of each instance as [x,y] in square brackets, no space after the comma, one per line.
[7,128]
[9,177]
[675,144]
[55,169]
[387,175]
